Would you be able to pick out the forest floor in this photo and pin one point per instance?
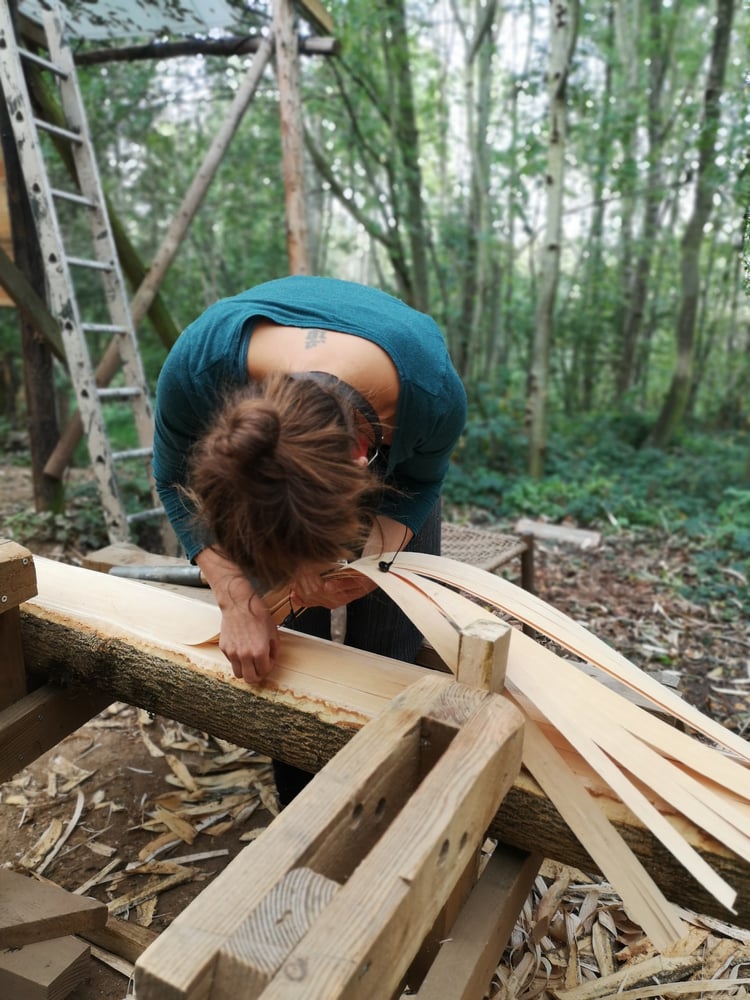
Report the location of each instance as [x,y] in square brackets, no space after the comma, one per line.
[90,812]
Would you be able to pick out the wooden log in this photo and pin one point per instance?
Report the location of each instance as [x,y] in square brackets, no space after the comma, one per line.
[33,911]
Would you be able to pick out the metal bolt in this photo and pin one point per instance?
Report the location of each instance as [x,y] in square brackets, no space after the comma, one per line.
[4,599]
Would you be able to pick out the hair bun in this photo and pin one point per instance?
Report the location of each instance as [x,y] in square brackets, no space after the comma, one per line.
[253,430]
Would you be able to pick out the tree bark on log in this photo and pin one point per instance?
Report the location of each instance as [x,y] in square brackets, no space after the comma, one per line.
[295,726]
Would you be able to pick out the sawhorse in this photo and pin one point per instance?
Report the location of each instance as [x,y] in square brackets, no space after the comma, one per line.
[354,888]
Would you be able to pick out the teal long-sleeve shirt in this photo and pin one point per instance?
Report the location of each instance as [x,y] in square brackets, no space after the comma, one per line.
[209,359]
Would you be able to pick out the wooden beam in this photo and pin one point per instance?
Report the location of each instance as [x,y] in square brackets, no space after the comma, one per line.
[469,956]
[317,14]
[17,584]
[40,720]
[33,911]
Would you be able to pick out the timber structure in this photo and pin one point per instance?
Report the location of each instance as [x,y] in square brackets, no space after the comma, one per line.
[332,710]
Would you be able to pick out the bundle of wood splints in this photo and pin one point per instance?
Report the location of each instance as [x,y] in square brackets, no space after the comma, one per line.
[573,717]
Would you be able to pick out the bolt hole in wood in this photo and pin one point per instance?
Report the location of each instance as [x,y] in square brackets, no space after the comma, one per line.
[357,812]
[444,851]
[380,808]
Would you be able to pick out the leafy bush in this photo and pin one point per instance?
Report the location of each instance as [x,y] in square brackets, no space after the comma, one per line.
[597,476]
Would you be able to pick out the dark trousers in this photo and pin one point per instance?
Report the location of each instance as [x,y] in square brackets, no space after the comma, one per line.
[373,623]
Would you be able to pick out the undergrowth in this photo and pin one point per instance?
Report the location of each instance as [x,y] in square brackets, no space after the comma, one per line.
[599,474]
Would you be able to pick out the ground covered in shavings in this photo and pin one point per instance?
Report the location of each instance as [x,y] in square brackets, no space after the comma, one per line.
[142,812]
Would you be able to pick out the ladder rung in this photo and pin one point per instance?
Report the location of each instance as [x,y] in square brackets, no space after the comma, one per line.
[95,265]
[70,196]
[40,61]
[145,515]
[64,133]
[119,392]
[103,328]
[119,456]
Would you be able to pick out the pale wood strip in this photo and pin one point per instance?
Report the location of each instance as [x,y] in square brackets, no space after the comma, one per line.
[544,618]
[648,904]
[640,894]
[727,820]
[557,688]
[670,741]
[569,724]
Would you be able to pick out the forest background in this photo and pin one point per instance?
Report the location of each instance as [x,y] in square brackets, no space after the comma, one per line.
[564,188]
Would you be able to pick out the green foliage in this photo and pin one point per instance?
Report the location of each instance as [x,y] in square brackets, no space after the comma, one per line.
[599,475]
[81,526]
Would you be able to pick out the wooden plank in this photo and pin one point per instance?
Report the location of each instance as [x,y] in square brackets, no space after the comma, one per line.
[318,15]
[563,533]
[322,693]
[12,667]
[467,959]
[48,970]
[37,911]
[40,720]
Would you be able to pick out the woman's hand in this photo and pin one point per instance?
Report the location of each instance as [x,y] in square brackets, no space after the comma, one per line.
[249,638]
[310,589]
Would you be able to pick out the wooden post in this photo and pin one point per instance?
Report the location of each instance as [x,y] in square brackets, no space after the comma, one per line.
[292,146]
[17,584]
[483,653]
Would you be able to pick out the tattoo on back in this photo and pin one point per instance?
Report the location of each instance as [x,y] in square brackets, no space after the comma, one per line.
[314,337]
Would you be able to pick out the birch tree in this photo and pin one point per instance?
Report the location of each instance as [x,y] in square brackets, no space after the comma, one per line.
[563,33]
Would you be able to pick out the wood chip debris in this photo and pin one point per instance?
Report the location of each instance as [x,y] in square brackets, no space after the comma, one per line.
[574,941]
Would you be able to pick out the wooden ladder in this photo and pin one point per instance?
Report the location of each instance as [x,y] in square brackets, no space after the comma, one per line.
[33,137]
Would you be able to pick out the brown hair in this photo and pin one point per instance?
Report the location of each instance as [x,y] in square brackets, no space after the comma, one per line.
[274,481]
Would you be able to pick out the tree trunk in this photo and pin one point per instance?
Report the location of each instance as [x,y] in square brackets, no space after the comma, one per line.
[292,141]
[636,291]
[677,399]
[563,31]
[405,148]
